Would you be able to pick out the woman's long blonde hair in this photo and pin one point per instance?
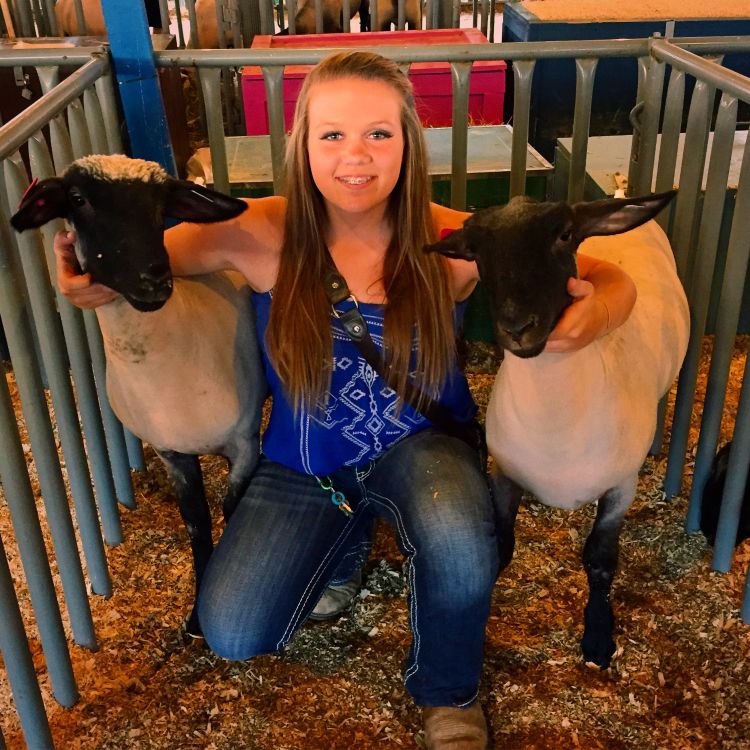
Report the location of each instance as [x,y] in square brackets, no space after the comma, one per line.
[416,284]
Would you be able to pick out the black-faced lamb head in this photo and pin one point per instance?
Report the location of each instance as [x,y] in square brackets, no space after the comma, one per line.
[117,206]
[526,252]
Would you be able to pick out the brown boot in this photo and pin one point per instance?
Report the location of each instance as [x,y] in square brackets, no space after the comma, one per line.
[450,728]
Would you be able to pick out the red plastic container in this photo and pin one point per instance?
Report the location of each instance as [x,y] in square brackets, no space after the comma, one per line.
[431,81]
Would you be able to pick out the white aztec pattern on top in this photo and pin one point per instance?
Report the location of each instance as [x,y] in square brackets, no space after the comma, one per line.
[365,404]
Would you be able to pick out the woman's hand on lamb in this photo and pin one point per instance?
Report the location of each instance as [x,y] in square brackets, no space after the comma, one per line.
[603,298]
[77,287]
[585,319]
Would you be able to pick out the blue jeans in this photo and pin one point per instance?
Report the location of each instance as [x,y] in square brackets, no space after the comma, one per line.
[286,539]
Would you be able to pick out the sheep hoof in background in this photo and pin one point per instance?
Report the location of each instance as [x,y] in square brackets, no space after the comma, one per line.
[574,428]
[183,365]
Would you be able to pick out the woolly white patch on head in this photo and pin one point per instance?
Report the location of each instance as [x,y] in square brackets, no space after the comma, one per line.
[119,167]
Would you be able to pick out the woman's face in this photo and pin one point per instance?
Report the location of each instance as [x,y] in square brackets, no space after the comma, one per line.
[355,143]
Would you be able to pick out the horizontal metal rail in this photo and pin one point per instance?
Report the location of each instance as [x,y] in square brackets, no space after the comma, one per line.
[438,52]
[16,132]
[706,70]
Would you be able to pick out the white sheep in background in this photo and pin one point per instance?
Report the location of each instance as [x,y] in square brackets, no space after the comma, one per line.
[576,427]
[67,20]
[333,16]
[183,365]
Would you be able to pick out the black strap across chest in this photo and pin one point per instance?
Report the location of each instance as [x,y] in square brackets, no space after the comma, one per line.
[355,326]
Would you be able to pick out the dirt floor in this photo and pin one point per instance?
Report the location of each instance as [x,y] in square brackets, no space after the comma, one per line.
[680,679]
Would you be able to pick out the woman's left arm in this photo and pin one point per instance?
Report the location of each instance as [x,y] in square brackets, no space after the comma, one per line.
[603,296]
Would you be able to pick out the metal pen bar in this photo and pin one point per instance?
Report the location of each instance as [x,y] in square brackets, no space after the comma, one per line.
[49,77]
[80,359]
[691,175]
[78,129]
[113,429]
[62,152]
[432,53]
[164,14]
[13,644]
[15,133]
[194,40]
[105,88]
[52,18]
[273,79]
[585,72]
[460,73]
[180,30]
[711,73]
[728,317]
[24,21]
[94,119]
[670,139]
[318,16]
[134,447]
[703,272]
[653,87]
[210,86]
[20,499]
[641,171]
[736,480]
[55,360]
[523,72]
[81,25]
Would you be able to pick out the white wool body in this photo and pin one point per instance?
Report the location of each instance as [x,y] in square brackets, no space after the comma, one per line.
[197,412]
[568,427]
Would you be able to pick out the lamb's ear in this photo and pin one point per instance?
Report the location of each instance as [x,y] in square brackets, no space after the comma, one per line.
[192,202]
[456,244]
[616,215]
[41,202]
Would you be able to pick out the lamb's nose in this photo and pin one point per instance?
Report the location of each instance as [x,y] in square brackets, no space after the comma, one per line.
[516,330]
[157,274]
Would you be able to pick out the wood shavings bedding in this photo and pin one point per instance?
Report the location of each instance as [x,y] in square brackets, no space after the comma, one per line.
[634,10]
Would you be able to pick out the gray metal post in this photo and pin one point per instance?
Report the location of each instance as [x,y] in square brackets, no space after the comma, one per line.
[80,362]
[585,72]
[273,76]
[699,292]
[56,364]
[734,486]
[523,72]
[728,317]
[691,175]
[18,333]
[31,547]
[17,658]
[62,151]
[460,72]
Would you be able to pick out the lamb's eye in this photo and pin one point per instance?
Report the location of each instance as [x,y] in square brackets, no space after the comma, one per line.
[77,199]
[566,236]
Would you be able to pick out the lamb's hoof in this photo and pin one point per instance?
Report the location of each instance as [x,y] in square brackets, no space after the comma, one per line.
[598,649]
[597,644]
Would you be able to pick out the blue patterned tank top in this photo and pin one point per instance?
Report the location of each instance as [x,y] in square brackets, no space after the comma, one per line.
[360,419]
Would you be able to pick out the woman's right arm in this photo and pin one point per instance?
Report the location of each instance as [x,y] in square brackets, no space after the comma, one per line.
[249,244]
